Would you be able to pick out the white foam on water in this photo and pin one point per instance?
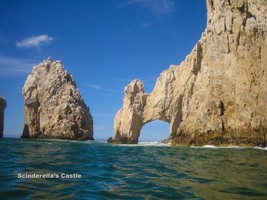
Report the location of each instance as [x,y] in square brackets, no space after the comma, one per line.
[154,143]
[210,146]
[217,147]
[229,147]
[261,148]
[205,146]
[233,147]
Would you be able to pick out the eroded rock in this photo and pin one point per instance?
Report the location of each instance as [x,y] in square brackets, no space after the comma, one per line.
[218,94]
[53,106]
[3,105]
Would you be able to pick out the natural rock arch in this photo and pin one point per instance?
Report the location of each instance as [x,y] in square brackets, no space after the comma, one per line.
[218,94]
[156,130]
[139,109]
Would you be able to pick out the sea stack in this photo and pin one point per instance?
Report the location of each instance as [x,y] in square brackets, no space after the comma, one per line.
[218,94]
[3,105]
[53,106]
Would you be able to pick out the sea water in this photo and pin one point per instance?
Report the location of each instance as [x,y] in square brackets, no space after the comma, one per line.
[61,169]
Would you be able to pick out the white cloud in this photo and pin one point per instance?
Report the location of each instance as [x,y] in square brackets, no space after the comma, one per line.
[103,115]
[158,7]
[112,90]
[100,88]
[14,67]
[97,87]
[35,41]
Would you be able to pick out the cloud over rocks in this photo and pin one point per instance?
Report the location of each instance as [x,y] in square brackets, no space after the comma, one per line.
[100,88]
[157,7]
[35,41]
[10,66]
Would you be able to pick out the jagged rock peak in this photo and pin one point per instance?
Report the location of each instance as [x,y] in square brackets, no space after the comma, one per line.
[218,94]
[3,105]
[53,106]
[134,87]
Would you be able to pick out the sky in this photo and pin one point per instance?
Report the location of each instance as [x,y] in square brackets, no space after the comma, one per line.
[104,44]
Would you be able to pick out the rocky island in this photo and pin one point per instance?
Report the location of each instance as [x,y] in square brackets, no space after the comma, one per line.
[53,106]
[218,94]
[3,105]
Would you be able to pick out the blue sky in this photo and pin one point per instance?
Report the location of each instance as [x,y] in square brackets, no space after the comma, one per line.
[104,44]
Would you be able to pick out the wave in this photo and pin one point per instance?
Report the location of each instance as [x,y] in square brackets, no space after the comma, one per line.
[261,148]
[155,143]
[218,147]
[229,147]
[143,143]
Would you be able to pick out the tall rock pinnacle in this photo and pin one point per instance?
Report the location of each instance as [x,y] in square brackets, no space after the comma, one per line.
[53,106]
[218,94]
[3,105]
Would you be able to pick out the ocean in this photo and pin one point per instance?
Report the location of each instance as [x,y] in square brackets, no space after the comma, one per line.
[61,169]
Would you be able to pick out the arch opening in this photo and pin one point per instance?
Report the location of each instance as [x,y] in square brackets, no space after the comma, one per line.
[155,131]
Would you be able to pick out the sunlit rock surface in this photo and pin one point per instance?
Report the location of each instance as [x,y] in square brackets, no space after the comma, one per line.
[53,106]
[218,94]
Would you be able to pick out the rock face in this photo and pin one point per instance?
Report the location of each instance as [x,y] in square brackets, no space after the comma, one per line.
[218,94]
[53,106]
[3,105]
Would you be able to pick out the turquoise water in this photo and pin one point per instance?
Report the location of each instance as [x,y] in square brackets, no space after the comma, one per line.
[146,171]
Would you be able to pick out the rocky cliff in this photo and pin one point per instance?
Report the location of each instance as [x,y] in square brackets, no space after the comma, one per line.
[3,105]
[218,94]
[53,106]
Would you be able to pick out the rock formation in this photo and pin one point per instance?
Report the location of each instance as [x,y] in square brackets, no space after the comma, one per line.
[218,94]
[3,105]
[53,106]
